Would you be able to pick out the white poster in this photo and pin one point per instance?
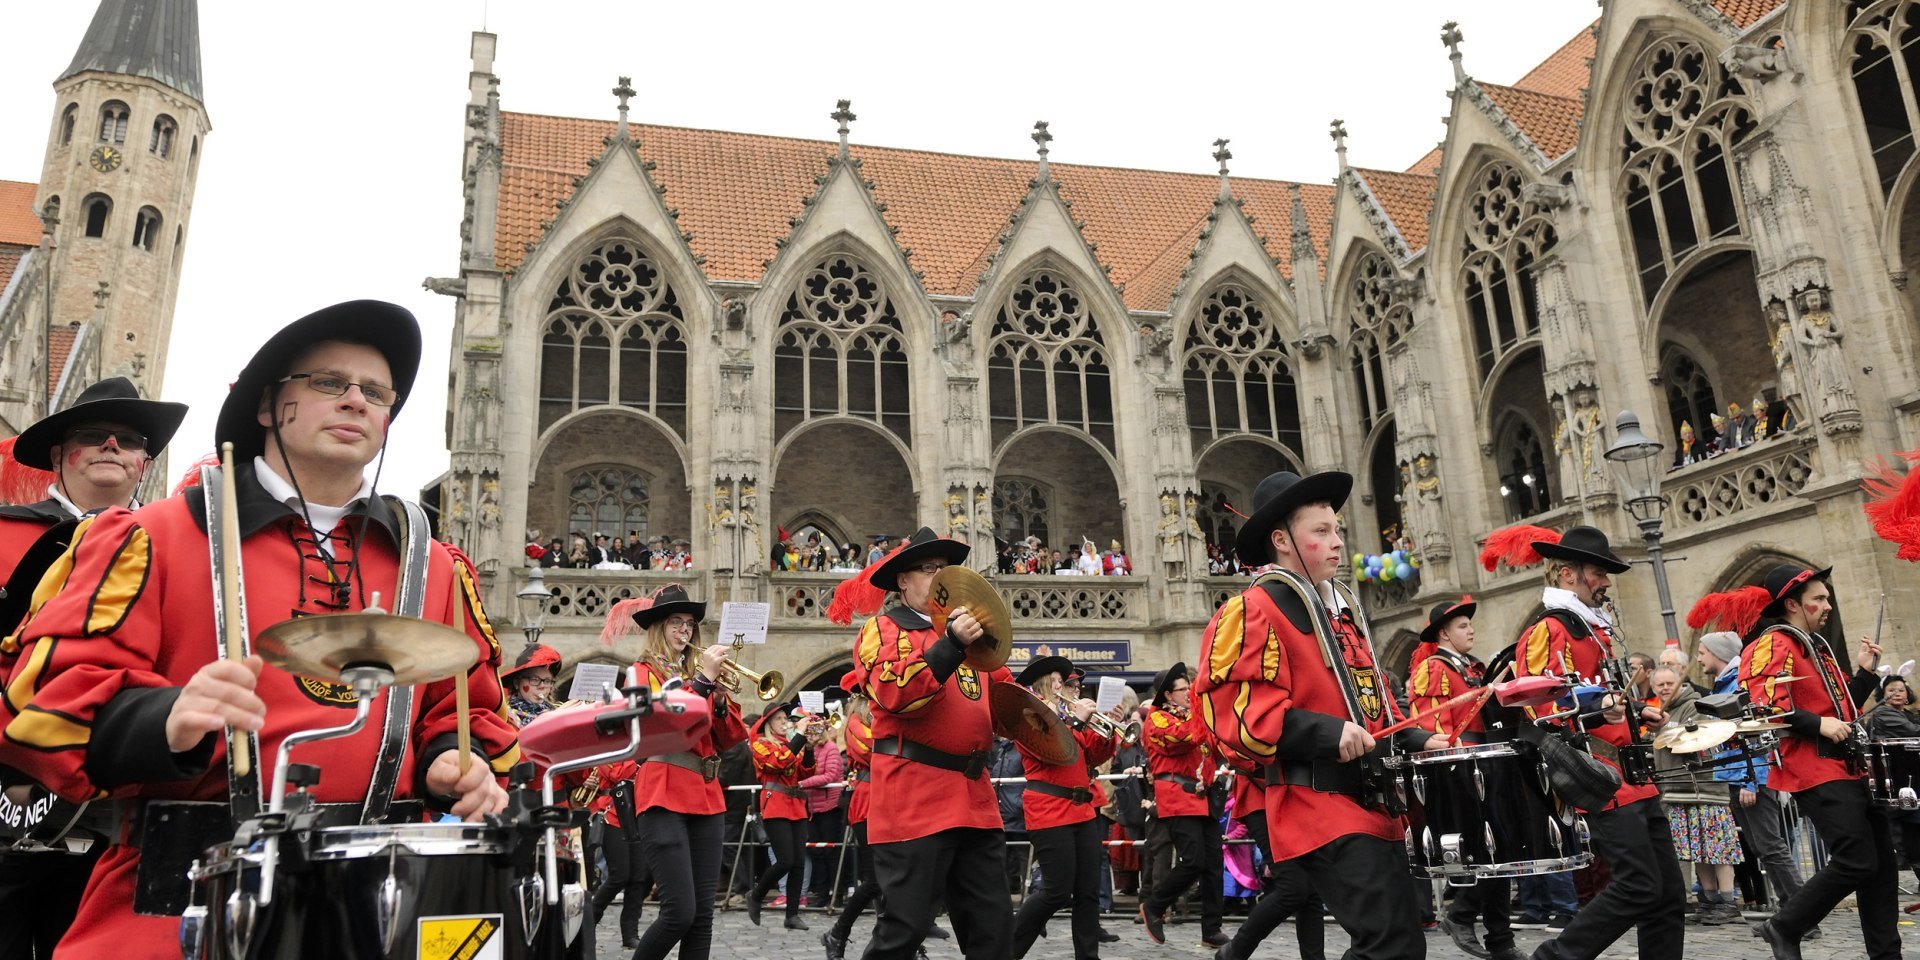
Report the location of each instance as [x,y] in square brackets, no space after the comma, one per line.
[746,622]
[813,701]
[1111,689]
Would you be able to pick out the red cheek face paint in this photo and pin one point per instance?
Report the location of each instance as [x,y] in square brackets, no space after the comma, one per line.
[75,457]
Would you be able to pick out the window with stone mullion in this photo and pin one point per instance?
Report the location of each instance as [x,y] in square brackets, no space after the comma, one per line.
[614,335]
[1046,362]
[841,350]
[1884,40]
[1236,373]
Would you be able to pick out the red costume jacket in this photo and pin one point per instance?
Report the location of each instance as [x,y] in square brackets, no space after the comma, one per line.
[922,691]
[780,766]
[859,767]
[1266,695]
[602,800]
[1778,654]
[126,617]
[21,525]
[1440,677]
[1043,811]
[671,787]
[1176,747]
[1249,794]
[1548,649]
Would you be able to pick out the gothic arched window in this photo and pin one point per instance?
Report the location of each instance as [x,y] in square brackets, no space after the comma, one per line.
[161,143]
[146,228]
[1046,362]
[1218,522]
[1884,45]
[1504,238]
[1375,321]
[1383,475]
[607,499]
[615,294]
[1236,371]
[1525,485]
[1020,508]
[841,351]
[113,122]
[1684,113]
[68,118]
[1690,396]
[99,208]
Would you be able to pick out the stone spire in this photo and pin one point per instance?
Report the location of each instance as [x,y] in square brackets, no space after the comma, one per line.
[1302,238]
[1040,139]
[155,39]
[843,114]
[624,92]
[1338,131]
[1451,36]
[1221,155]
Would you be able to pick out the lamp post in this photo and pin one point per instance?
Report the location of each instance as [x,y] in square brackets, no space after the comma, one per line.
[1638,457]
[533,599]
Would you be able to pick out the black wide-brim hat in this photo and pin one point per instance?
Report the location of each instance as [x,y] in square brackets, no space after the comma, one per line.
[113,400]
[1165,679]
[1583,544]
[1279,495]
[387,327]
[924,545]
[671,599]
[1783,580]
[1443,612]
[1041,666]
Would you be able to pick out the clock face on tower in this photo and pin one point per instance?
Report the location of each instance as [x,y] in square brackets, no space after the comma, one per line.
[105,159]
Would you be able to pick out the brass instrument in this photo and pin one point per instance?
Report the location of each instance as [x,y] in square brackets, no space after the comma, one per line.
[583,794]
[1129,732]
[766,685]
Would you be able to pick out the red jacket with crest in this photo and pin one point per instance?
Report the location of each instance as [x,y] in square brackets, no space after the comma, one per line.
[1177,746]
[676,788]
[1804,701]
[1548,649]
[1043,811]
[859,765]
[780,765]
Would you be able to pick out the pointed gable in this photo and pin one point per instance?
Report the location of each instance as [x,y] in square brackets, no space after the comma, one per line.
[1552,123]
[1406,199]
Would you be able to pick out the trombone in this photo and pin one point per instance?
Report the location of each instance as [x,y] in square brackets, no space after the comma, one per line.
[1129,732]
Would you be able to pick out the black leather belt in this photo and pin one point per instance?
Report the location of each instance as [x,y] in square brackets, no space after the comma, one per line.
[786,791]
[863,776]
[1075,794]
[707,767]
[1188,784]
[970,765]
[1323,776]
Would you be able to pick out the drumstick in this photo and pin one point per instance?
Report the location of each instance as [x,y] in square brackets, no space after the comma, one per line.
[1444,706]
[1485,692]
[463,724]
[230,592]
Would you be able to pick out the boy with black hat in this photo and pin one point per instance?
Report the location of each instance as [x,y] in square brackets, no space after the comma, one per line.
[1269,696]
[123,686]
[1791,669]
[934,826]
[1575,638]
[1181,763]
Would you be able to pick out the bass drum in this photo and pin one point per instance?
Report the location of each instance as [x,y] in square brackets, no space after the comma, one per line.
[1484,810]
[1893,773]
[416,891]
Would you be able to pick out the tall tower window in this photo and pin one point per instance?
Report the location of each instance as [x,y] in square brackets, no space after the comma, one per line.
[98,206]
[113,122]
[68,118]
[161,145]
[840,351]
[1046,362]
[146,228]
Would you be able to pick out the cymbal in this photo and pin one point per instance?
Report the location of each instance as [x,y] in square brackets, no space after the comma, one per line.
[1693,738]
[1757,726]
[417,651]
[1028,721]
[955,587]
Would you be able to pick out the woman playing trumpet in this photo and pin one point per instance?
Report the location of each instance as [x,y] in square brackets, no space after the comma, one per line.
[782,755]
[1061,802]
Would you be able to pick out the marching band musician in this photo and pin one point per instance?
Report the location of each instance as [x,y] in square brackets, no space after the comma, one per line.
[530,682]
[1061,804]
[782,754]
[937,832]
[608,793]
[1289,893]
[1268,695]
[1441,666]
[95,454]
[680,806]
[1182,768]
[859,745]
[1574,638]
[121,684]
[1790,669]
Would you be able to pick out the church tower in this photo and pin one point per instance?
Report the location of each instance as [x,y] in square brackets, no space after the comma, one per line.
[116,190]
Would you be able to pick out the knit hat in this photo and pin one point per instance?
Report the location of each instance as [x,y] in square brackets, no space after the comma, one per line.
[1724,645]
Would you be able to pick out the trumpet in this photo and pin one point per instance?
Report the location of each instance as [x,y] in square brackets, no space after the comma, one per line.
[1129,732]
[825,725]
[766,685]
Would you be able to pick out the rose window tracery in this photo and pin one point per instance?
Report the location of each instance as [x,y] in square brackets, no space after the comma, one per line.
[840,350]
[614,294]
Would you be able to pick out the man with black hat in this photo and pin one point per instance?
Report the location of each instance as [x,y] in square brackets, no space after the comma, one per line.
[934,826]
[1576,638]
[1443,666]
[1181,763]
[1062,805]
[1270,697]
[1791,669]
[124,686]
[96,453]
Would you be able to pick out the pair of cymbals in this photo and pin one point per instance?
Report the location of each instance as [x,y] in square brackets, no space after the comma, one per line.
[320,647]
[1695,737]
[955,587]
[1032,723]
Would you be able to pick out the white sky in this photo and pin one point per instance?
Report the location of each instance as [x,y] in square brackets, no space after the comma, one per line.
[333,168]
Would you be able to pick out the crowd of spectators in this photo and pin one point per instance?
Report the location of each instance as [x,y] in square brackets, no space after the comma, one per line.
[604,552]
[1034,556]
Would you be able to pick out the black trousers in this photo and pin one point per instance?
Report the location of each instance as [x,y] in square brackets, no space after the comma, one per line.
[788,841]
[1289,894]
[626,873]
[1196,843]
[827,826]
[867,892]
[1489,901]
[1364,881]
[1860,861]
[1071,859]
[683,853]
[1646,891]
[39,894]
[965,866]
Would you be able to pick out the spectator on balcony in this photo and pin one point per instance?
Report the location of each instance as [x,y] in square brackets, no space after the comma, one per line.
[877,551]
[577,555]
[556,554]
[849,561]
[1089,562]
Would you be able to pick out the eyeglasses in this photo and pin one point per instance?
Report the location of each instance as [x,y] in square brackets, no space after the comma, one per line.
[930,568]
[539,681]
[325,383]
[96,437]
[1178,689]
[679,623]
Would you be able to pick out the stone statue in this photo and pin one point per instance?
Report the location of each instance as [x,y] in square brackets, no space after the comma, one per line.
[748,499]
[983,514]
[720,511]
[489,502]
[1587,437]
[957,513]
[1780,337]
[1173,555]
[1426,518]
[1820,335]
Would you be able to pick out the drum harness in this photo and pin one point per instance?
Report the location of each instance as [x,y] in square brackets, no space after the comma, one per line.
[1853,750]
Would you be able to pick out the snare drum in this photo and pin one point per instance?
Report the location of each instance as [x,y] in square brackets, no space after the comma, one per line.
[1484,810]
[1893,772]
[403,891]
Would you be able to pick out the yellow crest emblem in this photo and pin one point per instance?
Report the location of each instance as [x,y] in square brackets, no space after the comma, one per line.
[1366,688]
[331,694]
[969,682]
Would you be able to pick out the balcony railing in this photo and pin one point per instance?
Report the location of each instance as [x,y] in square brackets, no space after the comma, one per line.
[583,596]
[1755,480]
[1118,601]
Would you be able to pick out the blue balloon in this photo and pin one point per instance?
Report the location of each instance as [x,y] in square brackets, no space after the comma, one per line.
[1403,571]
[1396,556]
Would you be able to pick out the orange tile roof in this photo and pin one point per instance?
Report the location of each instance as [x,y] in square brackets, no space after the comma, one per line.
[1745,13]
[1566,71]
[1429,165]
[59,345]
[10,256]
[1552,123]
[18,223]
[1406,198]
[736,191]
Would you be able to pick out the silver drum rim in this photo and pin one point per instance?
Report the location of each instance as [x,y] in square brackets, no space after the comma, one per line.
[1465,752]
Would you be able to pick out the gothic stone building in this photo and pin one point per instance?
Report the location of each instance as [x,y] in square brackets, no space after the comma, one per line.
[717,334]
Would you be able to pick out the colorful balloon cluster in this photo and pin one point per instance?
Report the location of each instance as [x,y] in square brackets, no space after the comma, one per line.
[1385,567]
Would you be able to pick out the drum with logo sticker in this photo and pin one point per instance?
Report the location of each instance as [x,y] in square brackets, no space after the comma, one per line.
[1484,810]
[415,891]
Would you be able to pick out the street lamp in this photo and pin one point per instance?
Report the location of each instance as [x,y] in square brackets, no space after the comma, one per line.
[533,599]
[1638,456]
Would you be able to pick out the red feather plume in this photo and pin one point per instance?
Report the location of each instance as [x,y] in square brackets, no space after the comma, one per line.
[620,618]
[190,478]
[1893,504]
[1736,610]
[20,483]
[857,596]
[1513,546]
[1421,651]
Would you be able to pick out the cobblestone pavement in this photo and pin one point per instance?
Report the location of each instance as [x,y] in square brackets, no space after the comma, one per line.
[736,939]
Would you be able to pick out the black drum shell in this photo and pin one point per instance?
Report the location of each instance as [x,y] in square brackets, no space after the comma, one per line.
[1477,791]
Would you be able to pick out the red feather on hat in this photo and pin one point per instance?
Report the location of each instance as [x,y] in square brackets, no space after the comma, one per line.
[857,596]
[1893,504]
[620,619]
[20,483]
[1736,610]
[1514,546]
[191,477]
